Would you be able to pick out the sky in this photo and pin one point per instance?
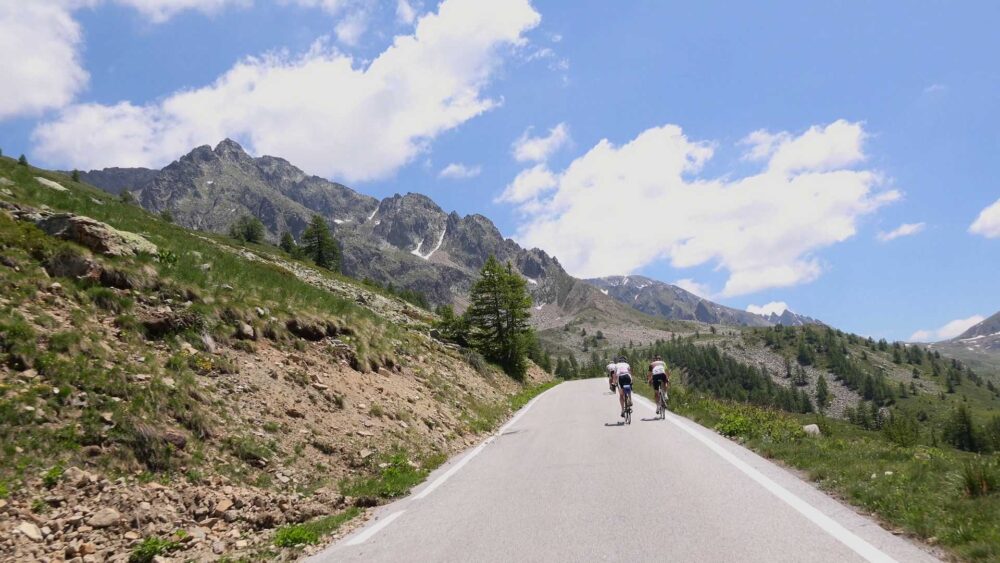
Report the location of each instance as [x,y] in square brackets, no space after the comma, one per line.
[836,159]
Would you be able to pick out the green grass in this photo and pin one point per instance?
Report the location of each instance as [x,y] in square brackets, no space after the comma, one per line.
[150,548]
[484,417]
[394,480]
[309,533]
[940,495]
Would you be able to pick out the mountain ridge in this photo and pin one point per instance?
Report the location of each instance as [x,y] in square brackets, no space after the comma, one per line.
[668,301]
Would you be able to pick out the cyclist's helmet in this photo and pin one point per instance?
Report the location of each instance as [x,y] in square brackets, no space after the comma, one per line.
[622,359]
[657,358]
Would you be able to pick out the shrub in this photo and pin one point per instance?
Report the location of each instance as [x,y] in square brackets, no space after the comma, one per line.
[751,423]
[52,476]
[109,300]
[980,478]
[248,449]
[150,548]
[247,229]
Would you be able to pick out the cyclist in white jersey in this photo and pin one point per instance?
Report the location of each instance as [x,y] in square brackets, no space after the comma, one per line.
[610,369]
[658,378]
[623,377]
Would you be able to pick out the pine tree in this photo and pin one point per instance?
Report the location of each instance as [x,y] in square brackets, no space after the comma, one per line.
[319,246]
[499,309]
[288,243]
[76,175]
[22,160]
[247,229]
[822,393]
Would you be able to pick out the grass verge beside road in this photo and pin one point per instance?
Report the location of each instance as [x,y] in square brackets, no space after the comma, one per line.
[940,495]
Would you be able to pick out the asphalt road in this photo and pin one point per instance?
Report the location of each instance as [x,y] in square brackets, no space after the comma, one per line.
[563,481]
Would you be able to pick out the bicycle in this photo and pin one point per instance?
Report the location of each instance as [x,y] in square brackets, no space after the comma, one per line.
[661,402]
[627,389]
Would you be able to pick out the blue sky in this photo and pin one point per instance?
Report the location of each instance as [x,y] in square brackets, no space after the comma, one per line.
[759,154]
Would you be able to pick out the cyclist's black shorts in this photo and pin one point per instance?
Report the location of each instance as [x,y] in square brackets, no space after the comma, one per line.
[659,379]
[625,380]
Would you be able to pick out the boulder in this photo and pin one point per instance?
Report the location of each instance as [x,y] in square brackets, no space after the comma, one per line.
[245,332]
[104,518]
[30,531]
[95,235]
[812,430]
[50,184]
[69,264]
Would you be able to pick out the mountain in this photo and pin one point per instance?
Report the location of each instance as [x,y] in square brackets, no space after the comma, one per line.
[118,180]
[404,240]
[671,302]
[979,346]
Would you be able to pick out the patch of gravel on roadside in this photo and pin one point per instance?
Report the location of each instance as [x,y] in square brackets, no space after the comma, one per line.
[840,396]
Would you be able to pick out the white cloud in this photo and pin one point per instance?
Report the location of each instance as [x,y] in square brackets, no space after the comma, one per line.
[538,149]
[40,42]
[40,63]
[457,171]
[405,12]
[988,222]
[774,307]
[935,89]
[528,185]
[764,229]
[948,331]
[321,110]
[904,230]
[691,286]
[819,149]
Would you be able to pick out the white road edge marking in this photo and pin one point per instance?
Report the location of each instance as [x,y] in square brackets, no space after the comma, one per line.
[367,534]
[829,525]
[461,463]
[376,528]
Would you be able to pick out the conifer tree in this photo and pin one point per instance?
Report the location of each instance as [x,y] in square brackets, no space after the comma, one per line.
[822,393]
[319,245]
[499,309]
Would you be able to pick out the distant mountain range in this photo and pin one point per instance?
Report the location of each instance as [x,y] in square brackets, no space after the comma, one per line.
[979,346]
[406,240]
[671,302]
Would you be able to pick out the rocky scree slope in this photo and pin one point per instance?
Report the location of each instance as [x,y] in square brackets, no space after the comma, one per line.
[160,385]
[671,302]
[406,240]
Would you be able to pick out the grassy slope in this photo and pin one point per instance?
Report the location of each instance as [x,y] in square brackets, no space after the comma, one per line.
[78,361]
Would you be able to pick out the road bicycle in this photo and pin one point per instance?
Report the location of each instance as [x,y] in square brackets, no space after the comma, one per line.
[661,402]
[627,389]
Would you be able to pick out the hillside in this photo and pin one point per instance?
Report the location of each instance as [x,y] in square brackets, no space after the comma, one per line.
[167,391]
[671,302]
[979,346]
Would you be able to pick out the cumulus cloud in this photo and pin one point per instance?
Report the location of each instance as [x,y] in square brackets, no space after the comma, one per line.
[321,109]
[457,171]
[764,229]
[904,230]
[41,41]
[529,184]
[774,307]
[691,286]
[538,149]
[988,222]
[948,331]
[40,64]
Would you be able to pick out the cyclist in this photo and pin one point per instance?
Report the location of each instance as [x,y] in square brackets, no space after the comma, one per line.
[623,376]
[610,369]
[658,379]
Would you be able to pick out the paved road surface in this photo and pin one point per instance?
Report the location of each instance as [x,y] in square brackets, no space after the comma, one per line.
[564,482]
